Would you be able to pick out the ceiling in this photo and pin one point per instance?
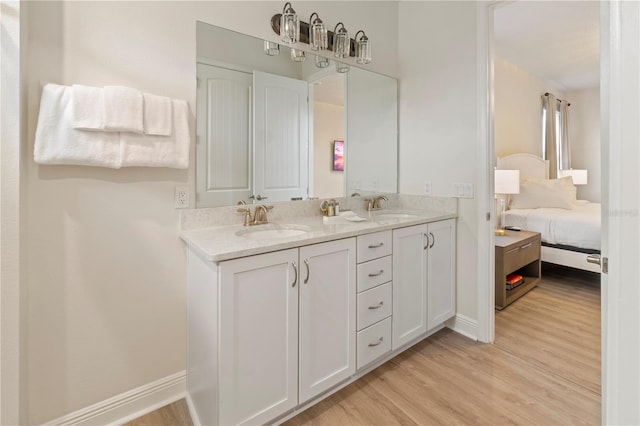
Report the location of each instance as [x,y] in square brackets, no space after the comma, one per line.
[557,41]
[330,90]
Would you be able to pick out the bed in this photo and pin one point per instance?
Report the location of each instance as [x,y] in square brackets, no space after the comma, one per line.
[569,228]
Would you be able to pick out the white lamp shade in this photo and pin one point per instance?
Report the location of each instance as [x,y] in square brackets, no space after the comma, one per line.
[579,176]
[506,181]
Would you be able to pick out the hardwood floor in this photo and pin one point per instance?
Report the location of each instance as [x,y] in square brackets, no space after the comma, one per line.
[543,369]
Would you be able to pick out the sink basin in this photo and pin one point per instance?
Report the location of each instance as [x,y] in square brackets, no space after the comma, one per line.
[394,215]
[273,231]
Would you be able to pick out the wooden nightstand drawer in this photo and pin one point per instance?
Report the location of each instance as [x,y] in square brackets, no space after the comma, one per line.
[521,254]
[516,252]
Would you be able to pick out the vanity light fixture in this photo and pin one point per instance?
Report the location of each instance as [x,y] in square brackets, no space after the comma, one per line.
[298,55]
[363,48]
[289,25]
[341,41]
[315,34]
[271,48]
[321,62]
[318,35]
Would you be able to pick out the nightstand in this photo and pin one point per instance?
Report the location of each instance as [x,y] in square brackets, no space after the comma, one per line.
[516,252]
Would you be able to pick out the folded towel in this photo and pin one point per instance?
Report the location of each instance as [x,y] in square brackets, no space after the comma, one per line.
[87,107]
[57,142]
[123,108]
[157,115]
[160,151]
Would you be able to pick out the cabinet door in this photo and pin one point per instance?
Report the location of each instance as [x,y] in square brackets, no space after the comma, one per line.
[327,315]
[441,283]
[258,329]
[409,284]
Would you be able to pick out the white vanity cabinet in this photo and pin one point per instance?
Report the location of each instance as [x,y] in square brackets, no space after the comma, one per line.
[272,333]
[441,272]
[284,331]
[423,279]
[327,316]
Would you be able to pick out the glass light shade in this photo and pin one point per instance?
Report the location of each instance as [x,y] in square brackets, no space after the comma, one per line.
[318,36]
[506,181]
[341,43]
[579,176]
[289,25]
[298,55]
[363,50]
[342,67]
[271,48]
[322,62]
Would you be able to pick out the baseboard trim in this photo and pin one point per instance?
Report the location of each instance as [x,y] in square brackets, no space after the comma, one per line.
[128,405]
[464,325]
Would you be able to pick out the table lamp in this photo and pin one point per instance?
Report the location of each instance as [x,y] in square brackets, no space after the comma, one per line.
[505,182]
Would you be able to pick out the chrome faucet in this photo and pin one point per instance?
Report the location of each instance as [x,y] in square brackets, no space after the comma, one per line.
[374,203]
[259,215]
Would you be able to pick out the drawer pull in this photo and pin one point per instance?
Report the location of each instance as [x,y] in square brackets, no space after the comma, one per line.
[377,343]
[427,237]
[433,239]
[378,306]
[526,246]
[512,250]
[377,274]
[376,245]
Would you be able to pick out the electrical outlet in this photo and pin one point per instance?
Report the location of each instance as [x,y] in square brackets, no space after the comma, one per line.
[181,198]
[427,187]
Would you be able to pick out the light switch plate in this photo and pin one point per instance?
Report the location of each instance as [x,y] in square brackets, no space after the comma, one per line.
[462,190]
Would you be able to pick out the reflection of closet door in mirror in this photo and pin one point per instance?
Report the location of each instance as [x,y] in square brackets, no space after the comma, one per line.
[281,143]
[224,164]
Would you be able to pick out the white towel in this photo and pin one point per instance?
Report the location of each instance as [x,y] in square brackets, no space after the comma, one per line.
[157,115]
[123,109]
[160,151]
[57,142]
[87,107]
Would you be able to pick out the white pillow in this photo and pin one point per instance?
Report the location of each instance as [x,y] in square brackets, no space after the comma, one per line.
[549,193]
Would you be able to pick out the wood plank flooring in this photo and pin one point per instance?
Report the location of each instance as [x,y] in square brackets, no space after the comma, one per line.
[544,369]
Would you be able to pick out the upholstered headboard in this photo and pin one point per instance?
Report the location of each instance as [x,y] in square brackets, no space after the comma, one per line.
[530,166]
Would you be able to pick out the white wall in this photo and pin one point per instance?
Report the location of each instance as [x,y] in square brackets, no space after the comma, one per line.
[328,125]
[518,109]
[438,118]
[584,128]
[106,269]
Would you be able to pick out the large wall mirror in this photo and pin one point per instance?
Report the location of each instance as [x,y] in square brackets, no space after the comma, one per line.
[272,128]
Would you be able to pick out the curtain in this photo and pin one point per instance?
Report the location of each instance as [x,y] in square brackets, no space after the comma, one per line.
[550,152]
[564,156]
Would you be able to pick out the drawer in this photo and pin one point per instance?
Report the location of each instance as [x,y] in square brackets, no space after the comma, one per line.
[373,305]
[518,255]
[373,246]
[373,342]
[374,273]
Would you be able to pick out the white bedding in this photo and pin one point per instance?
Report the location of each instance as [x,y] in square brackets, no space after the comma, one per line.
[578,227]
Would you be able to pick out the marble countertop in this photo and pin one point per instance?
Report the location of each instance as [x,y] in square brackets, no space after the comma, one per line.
[218,243]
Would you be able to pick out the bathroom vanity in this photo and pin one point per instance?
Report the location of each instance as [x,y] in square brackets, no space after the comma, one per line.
[284,314]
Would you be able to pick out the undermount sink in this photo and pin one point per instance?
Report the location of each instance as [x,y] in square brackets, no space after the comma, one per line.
[273,231]
[394,215]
